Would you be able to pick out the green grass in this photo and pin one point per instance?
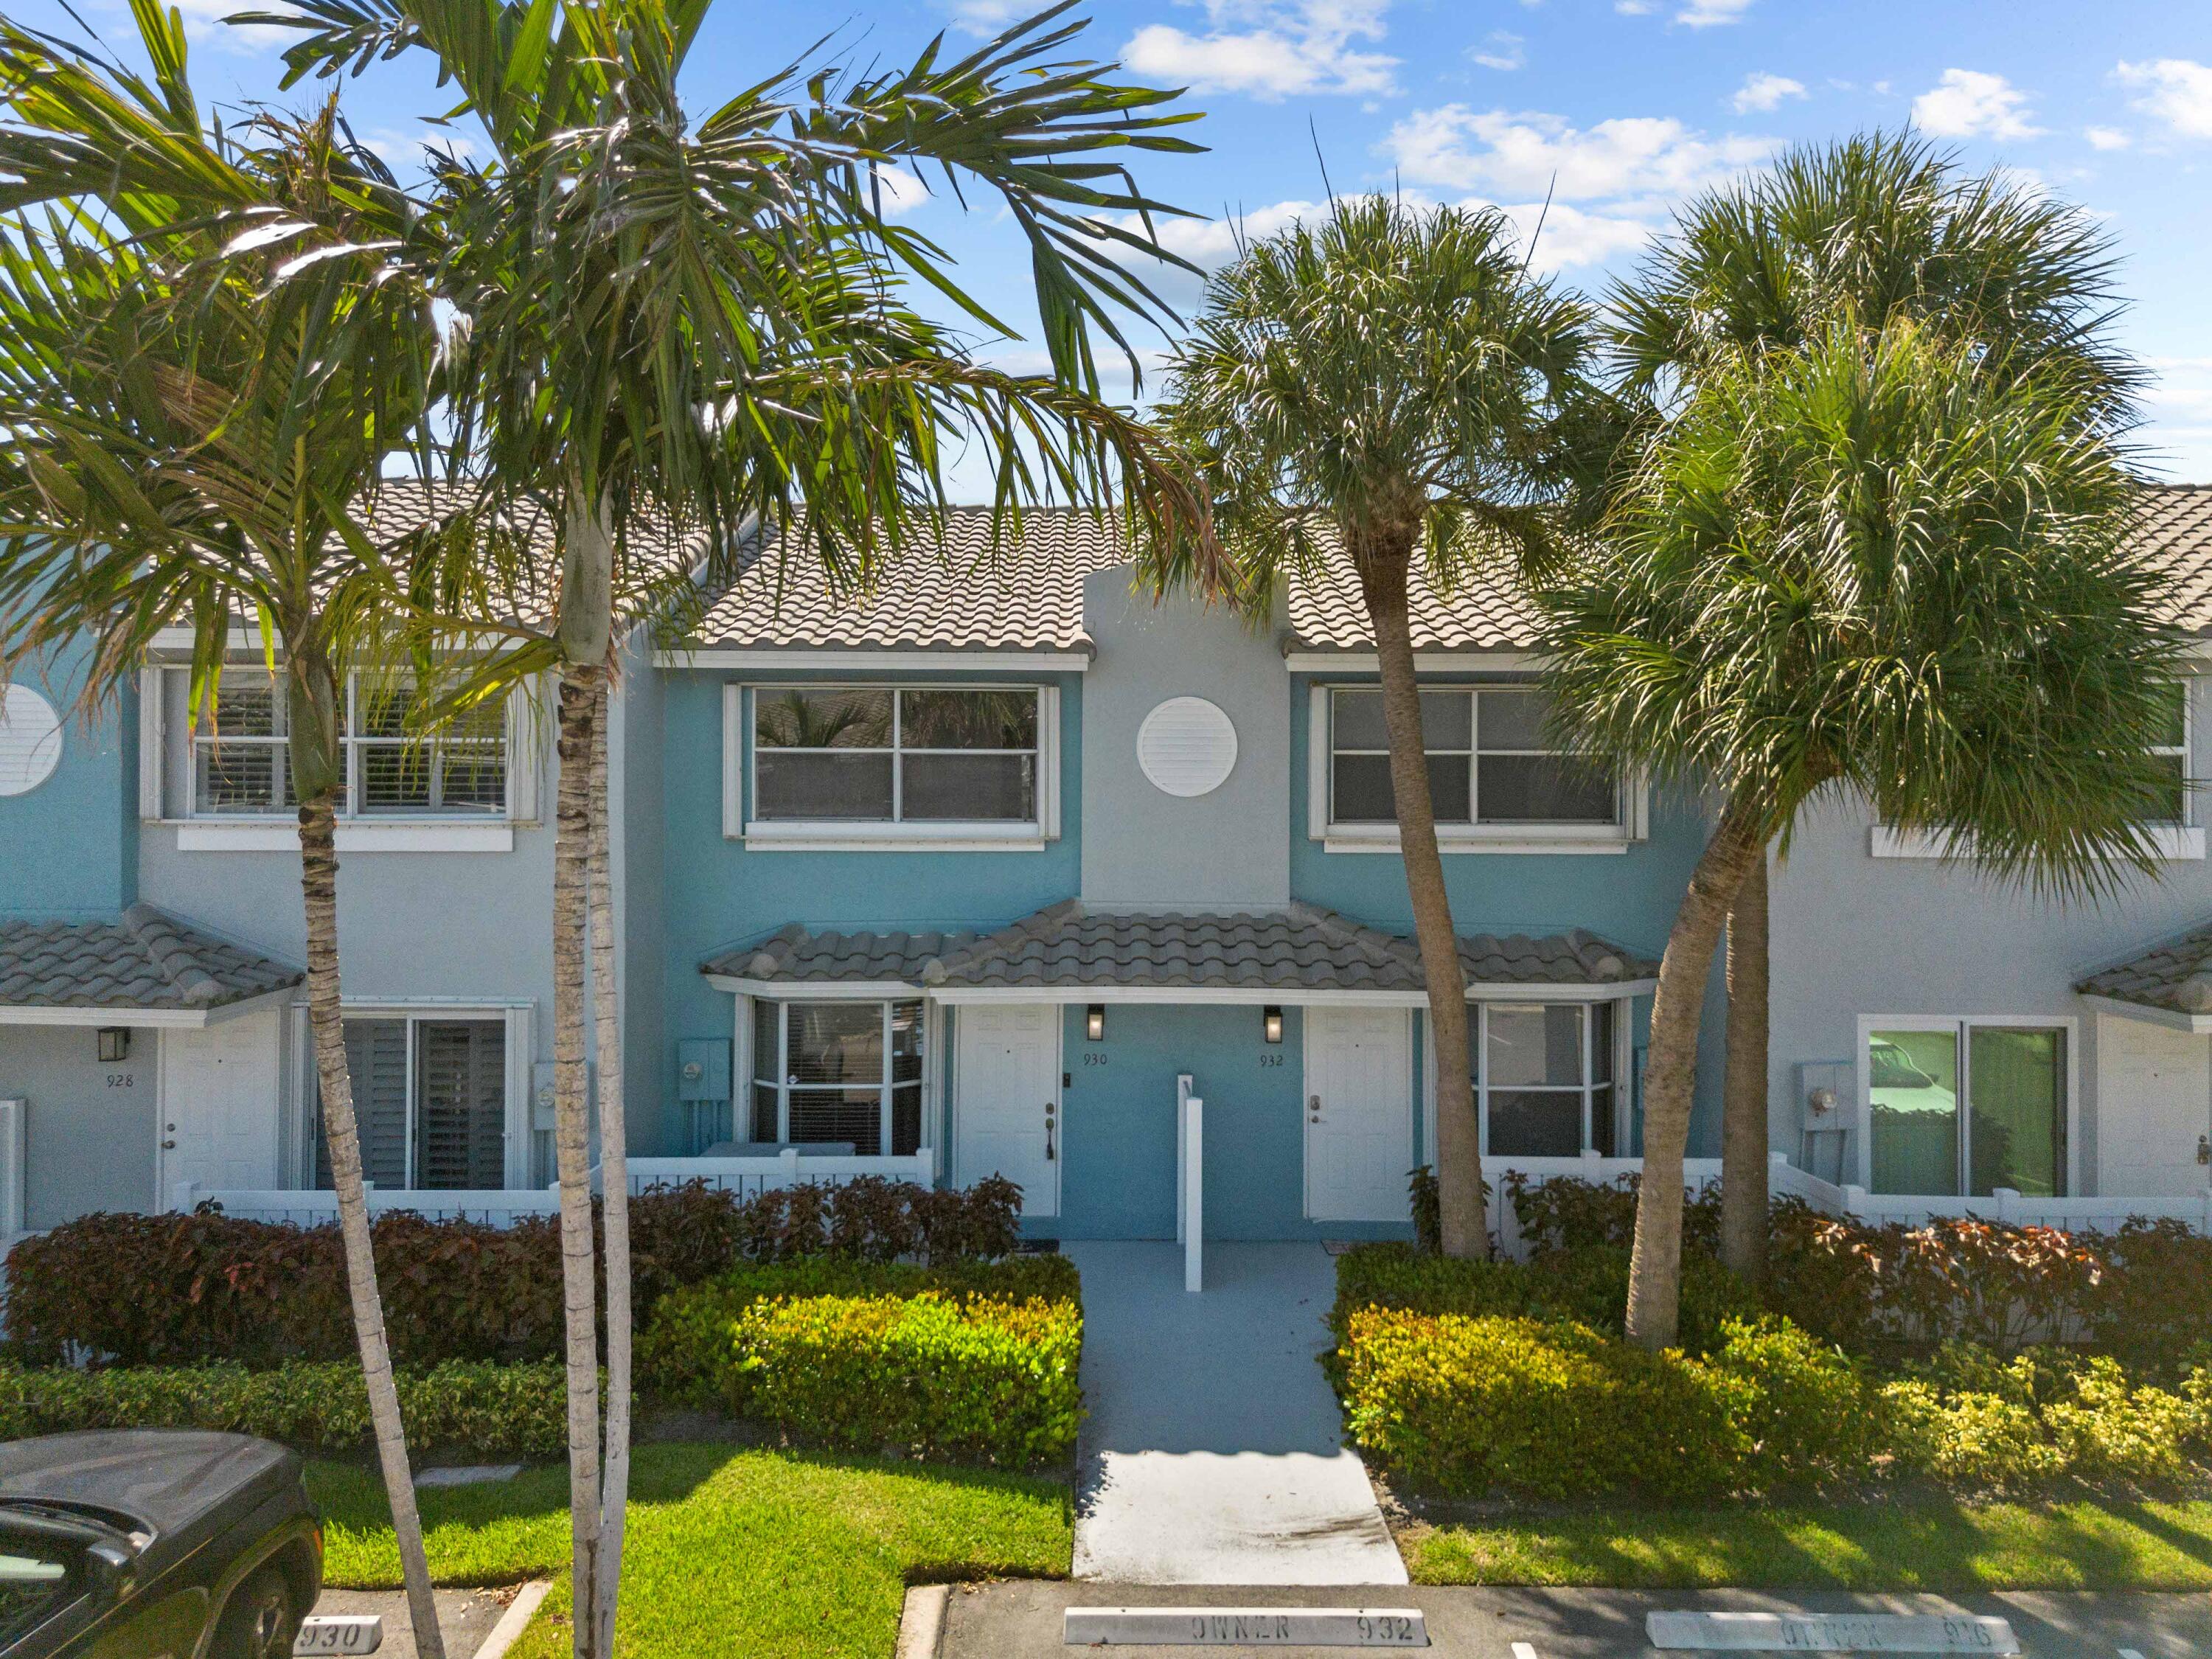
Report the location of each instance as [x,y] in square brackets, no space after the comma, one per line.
[1873,1546]
[729,1551]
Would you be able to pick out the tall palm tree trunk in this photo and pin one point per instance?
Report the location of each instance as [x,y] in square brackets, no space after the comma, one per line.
[614,1184]
[318,884]
[572,1145]
[1744,1096]
[1384,566]
[1670,1069]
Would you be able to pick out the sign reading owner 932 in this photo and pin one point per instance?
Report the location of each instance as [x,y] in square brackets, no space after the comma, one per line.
[1832,1632]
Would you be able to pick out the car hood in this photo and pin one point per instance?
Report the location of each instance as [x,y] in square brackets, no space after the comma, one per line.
[164,1481]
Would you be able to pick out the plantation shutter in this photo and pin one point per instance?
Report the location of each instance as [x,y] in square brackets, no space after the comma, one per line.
[376,1061]
[461,1086]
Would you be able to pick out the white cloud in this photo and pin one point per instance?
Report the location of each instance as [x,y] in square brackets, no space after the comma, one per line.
[989,16]
[204,22]
[405,148]
[1763,91]
[901,192]
[1632,7]
[2176,90]
[1271,48]
[1709,14]
[1516,154]
[1971,103]
[2106,138]
[1502,51]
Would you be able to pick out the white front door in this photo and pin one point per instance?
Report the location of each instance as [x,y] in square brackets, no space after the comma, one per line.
[219,1106]
[2153,1084]
[1005,1100]
[1360,1113]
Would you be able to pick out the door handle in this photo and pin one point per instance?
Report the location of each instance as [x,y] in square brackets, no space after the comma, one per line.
[1048,1111]
[168,1146]
[1313,1105]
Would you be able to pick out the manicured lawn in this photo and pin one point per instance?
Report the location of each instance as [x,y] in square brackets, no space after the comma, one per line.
[1861,1547]
[730,1551]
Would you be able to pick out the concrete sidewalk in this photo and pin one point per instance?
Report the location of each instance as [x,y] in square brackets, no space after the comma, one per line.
[1212,1454]
[1022,1620]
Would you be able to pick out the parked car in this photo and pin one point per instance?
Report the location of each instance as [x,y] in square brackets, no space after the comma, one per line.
[154,1544]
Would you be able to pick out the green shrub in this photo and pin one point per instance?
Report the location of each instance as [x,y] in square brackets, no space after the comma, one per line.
[490,1409]
[684,1350]
[1464,1406]
[936,1375]
[1802,1407]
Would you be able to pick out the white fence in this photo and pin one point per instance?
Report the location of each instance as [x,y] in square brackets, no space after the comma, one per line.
[2103,1213]
[12,1184]
[746,1176]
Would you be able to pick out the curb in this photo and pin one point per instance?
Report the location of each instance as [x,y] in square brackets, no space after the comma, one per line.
[514,1620]
[921,1623]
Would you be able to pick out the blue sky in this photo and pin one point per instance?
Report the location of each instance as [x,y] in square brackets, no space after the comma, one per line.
[1630,104]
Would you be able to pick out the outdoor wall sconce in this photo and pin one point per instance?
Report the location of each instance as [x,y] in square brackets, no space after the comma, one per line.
[114,1044]
[1094,1022]
[1271,1023]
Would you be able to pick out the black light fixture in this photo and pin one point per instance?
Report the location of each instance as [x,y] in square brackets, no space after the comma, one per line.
[1271,1023]
[1094,1022]
[115,1043]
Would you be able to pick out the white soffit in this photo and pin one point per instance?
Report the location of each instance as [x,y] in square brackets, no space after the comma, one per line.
[1186,746]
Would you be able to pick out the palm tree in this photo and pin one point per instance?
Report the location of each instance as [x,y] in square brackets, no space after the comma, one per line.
[1876,226]
[1880,563]
[182,452]
[668,328]
[1393,383]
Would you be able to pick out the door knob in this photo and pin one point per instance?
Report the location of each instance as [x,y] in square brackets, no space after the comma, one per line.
[168,1146]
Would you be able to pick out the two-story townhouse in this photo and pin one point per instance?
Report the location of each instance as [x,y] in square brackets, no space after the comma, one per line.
[1939,1036]
[153,1032]
[982,867]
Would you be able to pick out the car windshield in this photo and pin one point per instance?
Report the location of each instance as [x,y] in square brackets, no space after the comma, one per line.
[34,1579]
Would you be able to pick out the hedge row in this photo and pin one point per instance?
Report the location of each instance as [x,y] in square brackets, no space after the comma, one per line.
[2142,1293]
[519,1411]
[142,1290]
[975,1361]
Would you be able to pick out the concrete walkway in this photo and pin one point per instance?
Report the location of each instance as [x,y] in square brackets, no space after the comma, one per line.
[1023,1620]
[1212,1454]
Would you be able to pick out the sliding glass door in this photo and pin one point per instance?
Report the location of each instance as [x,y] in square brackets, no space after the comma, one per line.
[1961,1108]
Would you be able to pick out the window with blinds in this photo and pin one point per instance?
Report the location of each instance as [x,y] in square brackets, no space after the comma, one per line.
[838,1071]
[429,1096]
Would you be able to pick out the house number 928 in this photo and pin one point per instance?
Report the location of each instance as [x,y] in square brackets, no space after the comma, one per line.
[121,1080]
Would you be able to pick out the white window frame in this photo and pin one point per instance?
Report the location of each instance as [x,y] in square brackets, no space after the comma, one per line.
[1477,1035]
[1961,1024]
[520,1018]
[358,830]
[741,1110]
[1630,824]
[740,789]
[2182,842]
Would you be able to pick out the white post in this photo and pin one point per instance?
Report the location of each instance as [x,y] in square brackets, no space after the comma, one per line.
[1184,1081]
[14,1188]
[2006,1198]
[1855,1200]
[2206,1196]
[180,1198]
[788,1158]
[1194,1225]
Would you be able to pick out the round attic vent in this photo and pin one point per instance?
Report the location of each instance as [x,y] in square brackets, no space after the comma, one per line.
[30,741]
[1187,747]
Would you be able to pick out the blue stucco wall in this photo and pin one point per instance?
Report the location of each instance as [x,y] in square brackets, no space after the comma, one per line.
[69,848]
[716,894]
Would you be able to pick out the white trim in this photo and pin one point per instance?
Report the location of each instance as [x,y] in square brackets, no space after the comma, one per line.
[1049,761]
[1864,1106]
[1452,845]
[1185,995]
[1319,751]
[152,715]
[797,990]
[2200,1025]
[1057,662]
[526,736]
[2175,842]
[1424,662]
[733,759]
[154,1019]
[521,1040]
[354,835]
[795,835]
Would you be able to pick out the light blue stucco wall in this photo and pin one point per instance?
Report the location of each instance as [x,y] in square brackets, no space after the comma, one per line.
[69,848]
[1629,897]
[718,893]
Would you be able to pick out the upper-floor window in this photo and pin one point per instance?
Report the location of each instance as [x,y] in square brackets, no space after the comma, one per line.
[895,755]
[2173,752]
[1489,763]
[241,766]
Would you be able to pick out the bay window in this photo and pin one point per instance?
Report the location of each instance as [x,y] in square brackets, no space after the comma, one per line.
[838,1071]
[1960,1107]
[1489,763]
[1545,1078]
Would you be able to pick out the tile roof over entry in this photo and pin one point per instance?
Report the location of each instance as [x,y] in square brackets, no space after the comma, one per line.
[144,960]
[2176,976]
[1068,946]
[1027,594]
